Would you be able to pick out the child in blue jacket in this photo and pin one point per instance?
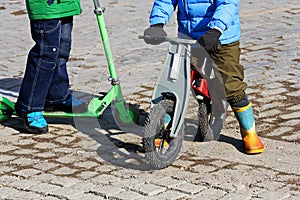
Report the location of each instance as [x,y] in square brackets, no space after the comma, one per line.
[215,25]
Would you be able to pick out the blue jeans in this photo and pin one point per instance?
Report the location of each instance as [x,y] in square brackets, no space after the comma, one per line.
[46,77]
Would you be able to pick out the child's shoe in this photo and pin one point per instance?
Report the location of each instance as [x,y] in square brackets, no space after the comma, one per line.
[252,143]
[71,105]
[34,122]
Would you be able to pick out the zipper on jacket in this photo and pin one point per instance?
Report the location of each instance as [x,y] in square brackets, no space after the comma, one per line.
[188,15]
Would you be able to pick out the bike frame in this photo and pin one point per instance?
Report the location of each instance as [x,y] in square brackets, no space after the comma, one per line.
[174,80]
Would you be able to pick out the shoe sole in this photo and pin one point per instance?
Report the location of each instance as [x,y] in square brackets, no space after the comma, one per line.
[255,151]
[36,130]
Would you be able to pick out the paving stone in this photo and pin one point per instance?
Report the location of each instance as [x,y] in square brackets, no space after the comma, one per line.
[26,152]
[86,175]
[212,193]
[23,195]
[88,197]
[293,137]
[45,146]
[203,168]
[188,188]
[6,169]
[231,196]
[45,189]
[292,115]
[27,172]
[24,184]
[65,139]
[45,166]
[280,131]
[172,195]
[273,195]
[127,195]
[64,171]
[44,177]
[148,189]
[5,158]
[24,161]
[65,181]
[7,179]
[6,148]
[67,193]
[86,164]
[106,191]
[104,179]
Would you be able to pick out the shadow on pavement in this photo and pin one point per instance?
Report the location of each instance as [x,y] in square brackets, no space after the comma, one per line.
[191,129]
[237,143]
[114,139]
[119,144]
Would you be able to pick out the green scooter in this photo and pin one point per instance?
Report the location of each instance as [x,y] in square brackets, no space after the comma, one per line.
[125,113]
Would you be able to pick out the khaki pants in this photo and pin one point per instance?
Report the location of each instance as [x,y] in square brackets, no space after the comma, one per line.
[227,60]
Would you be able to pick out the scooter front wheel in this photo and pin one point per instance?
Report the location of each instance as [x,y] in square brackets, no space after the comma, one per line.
[133,117]
[161,149]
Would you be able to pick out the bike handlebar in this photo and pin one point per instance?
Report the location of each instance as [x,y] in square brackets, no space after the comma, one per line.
[169,39]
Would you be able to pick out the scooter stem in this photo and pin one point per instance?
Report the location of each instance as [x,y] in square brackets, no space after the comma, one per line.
[104,35]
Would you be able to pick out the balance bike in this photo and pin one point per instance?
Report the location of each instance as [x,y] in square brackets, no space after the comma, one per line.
[125,113]
[164,127]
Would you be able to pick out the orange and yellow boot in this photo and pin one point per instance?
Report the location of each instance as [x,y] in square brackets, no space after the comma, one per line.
[245,117]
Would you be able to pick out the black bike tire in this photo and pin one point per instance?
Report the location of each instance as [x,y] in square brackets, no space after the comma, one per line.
[153,157]
[203,132]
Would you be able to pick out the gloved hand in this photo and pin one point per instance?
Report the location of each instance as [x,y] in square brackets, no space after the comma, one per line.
[210,40]
[155,34]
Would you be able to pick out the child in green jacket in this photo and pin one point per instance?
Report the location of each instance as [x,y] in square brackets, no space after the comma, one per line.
[45,85]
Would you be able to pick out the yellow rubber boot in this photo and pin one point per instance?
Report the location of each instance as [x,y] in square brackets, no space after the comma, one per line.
[252,143]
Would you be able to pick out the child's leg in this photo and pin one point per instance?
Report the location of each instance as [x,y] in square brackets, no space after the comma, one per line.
[59,97]
[59,85]
[232,73]
[245,117]
[41,64]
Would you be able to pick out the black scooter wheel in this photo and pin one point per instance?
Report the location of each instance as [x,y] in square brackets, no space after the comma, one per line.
[134,116]
[161,150]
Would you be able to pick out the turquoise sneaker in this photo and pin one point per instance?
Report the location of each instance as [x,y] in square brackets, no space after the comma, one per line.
[34,122]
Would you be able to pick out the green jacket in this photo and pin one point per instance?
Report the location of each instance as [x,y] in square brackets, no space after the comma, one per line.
[52,9]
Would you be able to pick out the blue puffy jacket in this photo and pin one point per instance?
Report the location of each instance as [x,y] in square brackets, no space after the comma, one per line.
[195,17]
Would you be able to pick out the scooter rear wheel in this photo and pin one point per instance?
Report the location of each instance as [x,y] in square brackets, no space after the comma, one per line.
[161,149]
[5,111]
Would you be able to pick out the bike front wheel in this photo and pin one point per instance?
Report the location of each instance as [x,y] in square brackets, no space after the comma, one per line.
[161,150]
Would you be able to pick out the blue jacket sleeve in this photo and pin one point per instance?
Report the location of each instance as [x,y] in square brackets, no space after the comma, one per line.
[162,11]
[225,14]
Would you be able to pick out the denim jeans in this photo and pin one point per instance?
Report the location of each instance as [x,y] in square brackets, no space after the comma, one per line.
[46,76]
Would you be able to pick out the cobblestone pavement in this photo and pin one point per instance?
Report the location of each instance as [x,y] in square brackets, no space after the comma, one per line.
[95,159]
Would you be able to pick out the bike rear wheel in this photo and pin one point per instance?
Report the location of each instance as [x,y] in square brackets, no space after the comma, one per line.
[204,116]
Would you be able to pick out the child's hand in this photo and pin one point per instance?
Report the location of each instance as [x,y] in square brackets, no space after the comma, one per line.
[210,40]
[155,34]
